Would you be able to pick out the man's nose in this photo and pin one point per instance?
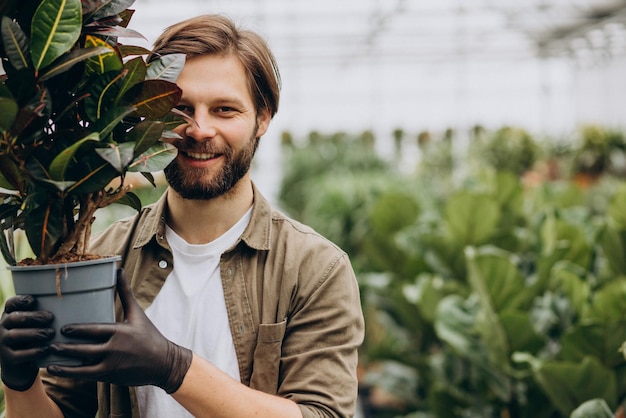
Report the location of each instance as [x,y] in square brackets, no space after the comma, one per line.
[202,129]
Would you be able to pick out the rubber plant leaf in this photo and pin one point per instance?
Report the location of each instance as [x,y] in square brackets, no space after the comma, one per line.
[15,44]
[10,177]
[128,50]
[56,27]
[104,62]
[145,135]
[59,165]
[111,119]
[153,98]
[102,94]
[8,113]
[111,7]
[154,159]
[136,73]
[167,67]
[44,220]
[130,199]
[118,155]
[116,31]
[71,59]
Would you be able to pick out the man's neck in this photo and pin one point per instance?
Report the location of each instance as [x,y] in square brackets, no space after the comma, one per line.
[202,221]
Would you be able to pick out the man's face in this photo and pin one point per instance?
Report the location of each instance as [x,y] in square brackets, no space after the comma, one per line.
[215,153]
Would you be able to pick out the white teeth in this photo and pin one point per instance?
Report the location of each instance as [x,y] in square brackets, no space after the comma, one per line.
[200,155]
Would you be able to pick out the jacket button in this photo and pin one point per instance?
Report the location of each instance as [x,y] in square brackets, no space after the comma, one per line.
[162,264]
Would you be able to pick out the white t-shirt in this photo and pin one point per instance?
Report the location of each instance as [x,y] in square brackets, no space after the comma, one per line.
[190,311]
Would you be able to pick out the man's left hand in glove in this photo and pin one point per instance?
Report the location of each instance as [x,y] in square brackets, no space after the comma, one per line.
[129,353]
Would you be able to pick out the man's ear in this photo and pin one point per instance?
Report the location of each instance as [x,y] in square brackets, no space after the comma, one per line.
[263,119]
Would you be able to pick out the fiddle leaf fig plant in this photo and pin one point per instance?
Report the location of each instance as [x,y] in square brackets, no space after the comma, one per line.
[78,111]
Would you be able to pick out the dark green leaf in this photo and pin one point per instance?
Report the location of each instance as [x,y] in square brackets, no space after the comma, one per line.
[128,50]
[145,135]
[8,112]
[102,94]
[130,199]
[111,7]
[154,159]
[136,72]
[15,44]
[56,28]
[118,155]
[112,119]
[71,59]
[108,61]
[568,384]
[61,162]
[44,217]
[153,98]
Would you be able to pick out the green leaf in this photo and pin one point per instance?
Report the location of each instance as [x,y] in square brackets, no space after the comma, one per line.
[111,7]
[105,62]
[16,44]
[130,199]
[145,134]
[59,165]
[520,333]
[594,408]
[471,218]
[136,73]
[494,276]
[600,340]
[71,59]
[8,113]
[55,29]
[153,98]
[112,119]
[612,243]
[118,155]
[128,50]
[617,207]
[572,280]
[44,220]
[102,94]
[568,384]
[167,67]
[608,302]
[155,158]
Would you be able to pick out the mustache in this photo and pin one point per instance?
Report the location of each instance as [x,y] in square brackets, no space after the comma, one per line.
[188,144]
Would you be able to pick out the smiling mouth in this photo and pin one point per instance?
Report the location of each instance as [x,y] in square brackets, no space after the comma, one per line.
[200,155]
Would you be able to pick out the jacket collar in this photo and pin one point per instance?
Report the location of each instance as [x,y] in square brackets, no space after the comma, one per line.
[256,235]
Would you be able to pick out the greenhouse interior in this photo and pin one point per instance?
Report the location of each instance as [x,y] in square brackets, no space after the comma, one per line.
[470,158]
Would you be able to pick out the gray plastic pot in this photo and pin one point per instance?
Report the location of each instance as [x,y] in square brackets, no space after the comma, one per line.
[87,295]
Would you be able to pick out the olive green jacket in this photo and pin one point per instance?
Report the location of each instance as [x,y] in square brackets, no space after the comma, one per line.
[293,307]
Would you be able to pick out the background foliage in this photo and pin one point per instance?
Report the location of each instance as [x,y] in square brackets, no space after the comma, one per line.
[496,293]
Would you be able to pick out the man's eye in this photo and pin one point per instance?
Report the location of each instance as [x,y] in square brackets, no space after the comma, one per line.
[224,109]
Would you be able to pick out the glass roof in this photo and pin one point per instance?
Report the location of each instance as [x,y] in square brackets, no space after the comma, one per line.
[416,64]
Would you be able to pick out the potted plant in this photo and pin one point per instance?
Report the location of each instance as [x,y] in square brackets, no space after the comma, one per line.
[78,111]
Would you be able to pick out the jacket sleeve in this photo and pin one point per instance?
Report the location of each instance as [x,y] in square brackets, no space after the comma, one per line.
[319,351]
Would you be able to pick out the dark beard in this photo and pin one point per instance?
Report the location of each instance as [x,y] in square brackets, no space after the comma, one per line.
[187,185]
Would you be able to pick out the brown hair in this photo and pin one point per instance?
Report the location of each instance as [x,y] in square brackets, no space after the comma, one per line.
[217,34]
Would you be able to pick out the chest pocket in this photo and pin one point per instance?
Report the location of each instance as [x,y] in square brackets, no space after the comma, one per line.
[266,360]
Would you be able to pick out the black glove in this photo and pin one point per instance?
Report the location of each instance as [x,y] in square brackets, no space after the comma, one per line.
[129,353]
[24,337]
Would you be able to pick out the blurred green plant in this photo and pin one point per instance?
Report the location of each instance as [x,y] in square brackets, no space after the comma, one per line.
[484,299]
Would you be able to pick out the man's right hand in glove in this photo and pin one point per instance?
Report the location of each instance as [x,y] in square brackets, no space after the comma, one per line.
[25,334]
